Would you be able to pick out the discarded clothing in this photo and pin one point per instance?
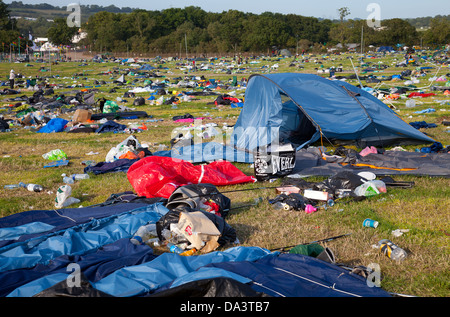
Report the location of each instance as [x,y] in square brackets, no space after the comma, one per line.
[434,148]
[111,126]
[120,165]
[422,124]
[429,110]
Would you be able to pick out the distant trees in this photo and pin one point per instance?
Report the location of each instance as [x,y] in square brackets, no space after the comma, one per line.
[439,32]
[60,33]
[174,29]
[198,32]
[9,34]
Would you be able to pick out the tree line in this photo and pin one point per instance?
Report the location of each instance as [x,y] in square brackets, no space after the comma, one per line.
[175,29]
[191,29]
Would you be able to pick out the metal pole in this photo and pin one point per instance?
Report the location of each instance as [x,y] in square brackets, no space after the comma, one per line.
[362,38]
[185,42]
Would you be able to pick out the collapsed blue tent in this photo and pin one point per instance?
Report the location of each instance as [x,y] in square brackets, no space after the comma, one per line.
[42,248]
[147,67]
[300,108]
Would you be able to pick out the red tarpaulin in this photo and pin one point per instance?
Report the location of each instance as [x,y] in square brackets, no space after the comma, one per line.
[157,176]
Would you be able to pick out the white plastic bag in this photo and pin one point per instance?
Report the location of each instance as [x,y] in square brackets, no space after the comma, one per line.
[371,188]
[63,198]
[122,148]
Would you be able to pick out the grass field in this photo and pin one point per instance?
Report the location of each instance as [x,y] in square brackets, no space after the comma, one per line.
[423,209]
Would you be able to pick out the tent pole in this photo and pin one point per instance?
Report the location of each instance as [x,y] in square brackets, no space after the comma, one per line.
[360,84]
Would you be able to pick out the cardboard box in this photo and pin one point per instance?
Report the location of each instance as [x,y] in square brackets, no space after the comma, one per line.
[82,115]
[288,190]
[199,230]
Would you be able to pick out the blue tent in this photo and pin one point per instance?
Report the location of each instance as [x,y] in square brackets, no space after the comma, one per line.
[40,250]
[385,49]
[301,108]
[147,67]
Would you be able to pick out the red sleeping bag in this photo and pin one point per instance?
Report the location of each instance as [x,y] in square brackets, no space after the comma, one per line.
[157,176]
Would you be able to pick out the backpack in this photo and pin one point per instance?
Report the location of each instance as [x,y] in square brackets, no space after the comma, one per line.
[200,196]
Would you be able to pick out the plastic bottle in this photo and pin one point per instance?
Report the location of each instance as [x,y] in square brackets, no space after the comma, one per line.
[167,235]
[68,180]
[391,250]
[172,235]
[189,252]
[77,177]
[143,234]
[12,186]
[34,188]
[281,206]
[174,248]
[153,241]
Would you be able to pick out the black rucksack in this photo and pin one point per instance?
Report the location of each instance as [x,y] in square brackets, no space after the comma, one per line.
[139,101]
[199,196]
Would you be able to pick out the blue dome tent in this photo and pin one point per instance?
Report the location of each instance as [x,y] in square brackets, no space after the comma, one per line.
[301,108]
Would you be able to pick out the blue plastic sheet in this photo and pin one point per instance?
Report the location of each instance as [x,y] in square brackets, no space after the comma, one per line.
[54,125]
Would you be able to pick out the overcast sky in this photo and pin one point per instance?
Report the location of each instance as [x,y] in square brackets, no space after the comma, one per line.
[316,8]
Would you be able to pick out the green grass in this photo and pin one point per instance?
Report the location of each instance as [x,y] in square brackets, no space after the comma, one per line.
[423,209]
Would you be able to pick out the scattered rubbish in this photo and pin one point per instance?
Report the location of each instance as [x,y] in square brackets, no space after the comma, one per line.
[12,186]
[193,219]
[57,163]
[274,162]
[144,234]
[34,187]
[293,201]
[370,223]
[399,232]
[30,187]
[371,188]
[391,250]
[316,194]
[309,209]
[55,155]
[63,198]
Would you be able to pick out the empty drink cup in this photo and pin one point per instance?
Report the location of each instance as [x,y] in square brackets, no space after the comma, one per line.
[370,223]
